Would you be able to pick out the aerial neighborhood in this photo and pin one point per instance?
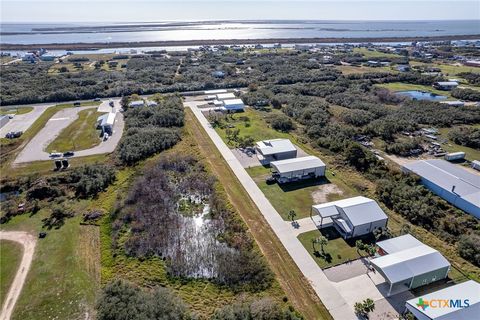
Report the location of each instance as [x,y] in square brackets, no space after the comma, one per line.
[272,179]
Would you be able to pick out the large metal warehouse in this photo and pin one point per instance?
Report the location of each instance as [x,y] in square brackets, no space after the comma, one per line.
[457,302]
[297,169]
[275,149]
[352,217]
[451,182]
[405,261]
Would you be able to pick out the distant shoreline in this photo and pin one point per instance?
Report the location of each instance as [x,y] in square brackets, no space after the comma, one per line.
[175,43]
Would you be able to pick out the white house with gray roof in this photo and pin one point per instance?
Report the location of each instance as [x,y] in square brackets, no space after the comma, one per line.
[449,181]
[352,217]
[463,303]
[406,261]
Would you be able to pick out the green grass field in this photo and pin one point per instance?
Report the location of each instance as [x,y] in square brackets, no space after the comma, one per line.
[63,278]
[375,54]
[10,257]
[256,126]
[447,69]
[363,69]
[11,110]
[337,251]
[298,196]
[79,135]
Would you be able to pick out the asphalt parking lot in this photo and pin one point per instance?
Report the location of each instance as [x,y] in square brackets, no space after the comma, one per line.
[22,122]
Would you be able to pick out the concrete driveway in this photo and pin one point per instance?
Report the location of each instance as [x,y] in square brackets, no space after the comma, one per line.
[35,149]
[326,291]
[22,122]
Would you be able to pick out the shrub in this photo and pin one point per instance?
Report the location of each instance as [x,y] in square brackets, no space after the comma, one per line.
[469,248]
[281,123]
[121,300]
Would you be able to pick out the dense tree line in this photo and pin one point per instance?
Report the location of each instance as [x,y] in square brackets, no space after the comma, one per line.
[466,136]
[219,250]
[150,129]
[466,94]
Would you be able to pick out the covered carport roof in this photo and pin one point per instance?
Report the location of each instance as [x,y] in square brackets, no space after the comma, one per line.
[409,263]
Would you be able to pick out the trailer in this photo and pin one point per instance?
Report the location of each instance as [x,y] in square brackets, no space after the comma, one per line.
[455,156]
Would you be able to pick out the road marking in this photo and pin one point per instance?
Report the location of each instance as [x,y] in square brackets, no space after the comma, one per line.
[56,119]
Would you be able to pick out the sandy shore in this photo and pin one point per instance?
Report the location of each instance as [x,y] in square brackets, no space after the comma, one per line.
[93,46]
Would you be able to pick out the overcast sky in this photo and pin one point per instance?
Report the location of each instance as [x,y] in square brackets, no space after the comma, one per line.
[160,10]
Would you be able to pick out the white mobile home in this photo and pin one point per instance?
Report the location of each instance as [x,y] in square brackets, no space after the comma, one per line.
[275,149]
[295,169]
[136,104]
[352,217]
[445,85]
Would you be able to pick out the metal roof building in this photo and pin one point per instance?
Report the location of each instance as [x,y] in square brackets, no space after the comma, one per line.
[352,217]
[275,149]
[225,96]
[451,182]
[297,169]
[409,263]
[106,121]
[233,104]
[432,305]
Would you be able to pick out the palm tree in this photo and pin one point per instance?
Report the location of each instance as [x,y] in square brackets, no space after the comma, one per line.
[314,242]
[322,241]
[292,214]
[368,305]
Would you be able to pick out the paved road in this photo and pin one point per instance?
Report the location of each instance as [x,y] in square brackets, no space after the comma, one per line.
[22,122]
[28,242]
[331,298]
[35,149]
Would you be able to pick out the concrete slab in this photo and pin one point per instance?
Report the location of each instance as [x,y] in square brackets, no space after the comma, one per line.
[247,159]
[347,270]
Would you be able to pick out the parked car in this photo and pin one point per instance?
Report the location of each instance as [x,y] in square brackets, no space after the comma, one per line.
[68,154]
[106,136]
[14,134]
[96,99]
[56,154]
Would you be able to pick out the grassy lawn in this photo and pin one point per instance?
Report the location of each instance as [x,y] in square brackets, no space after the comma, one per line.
[12,110]
[447,69]
[364,69]
[470,153]
[375,54]
[255,127]
[10,257]
[296,287]
[298,196]
[336,252]
[399,86]
[63,279]
[79,135]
